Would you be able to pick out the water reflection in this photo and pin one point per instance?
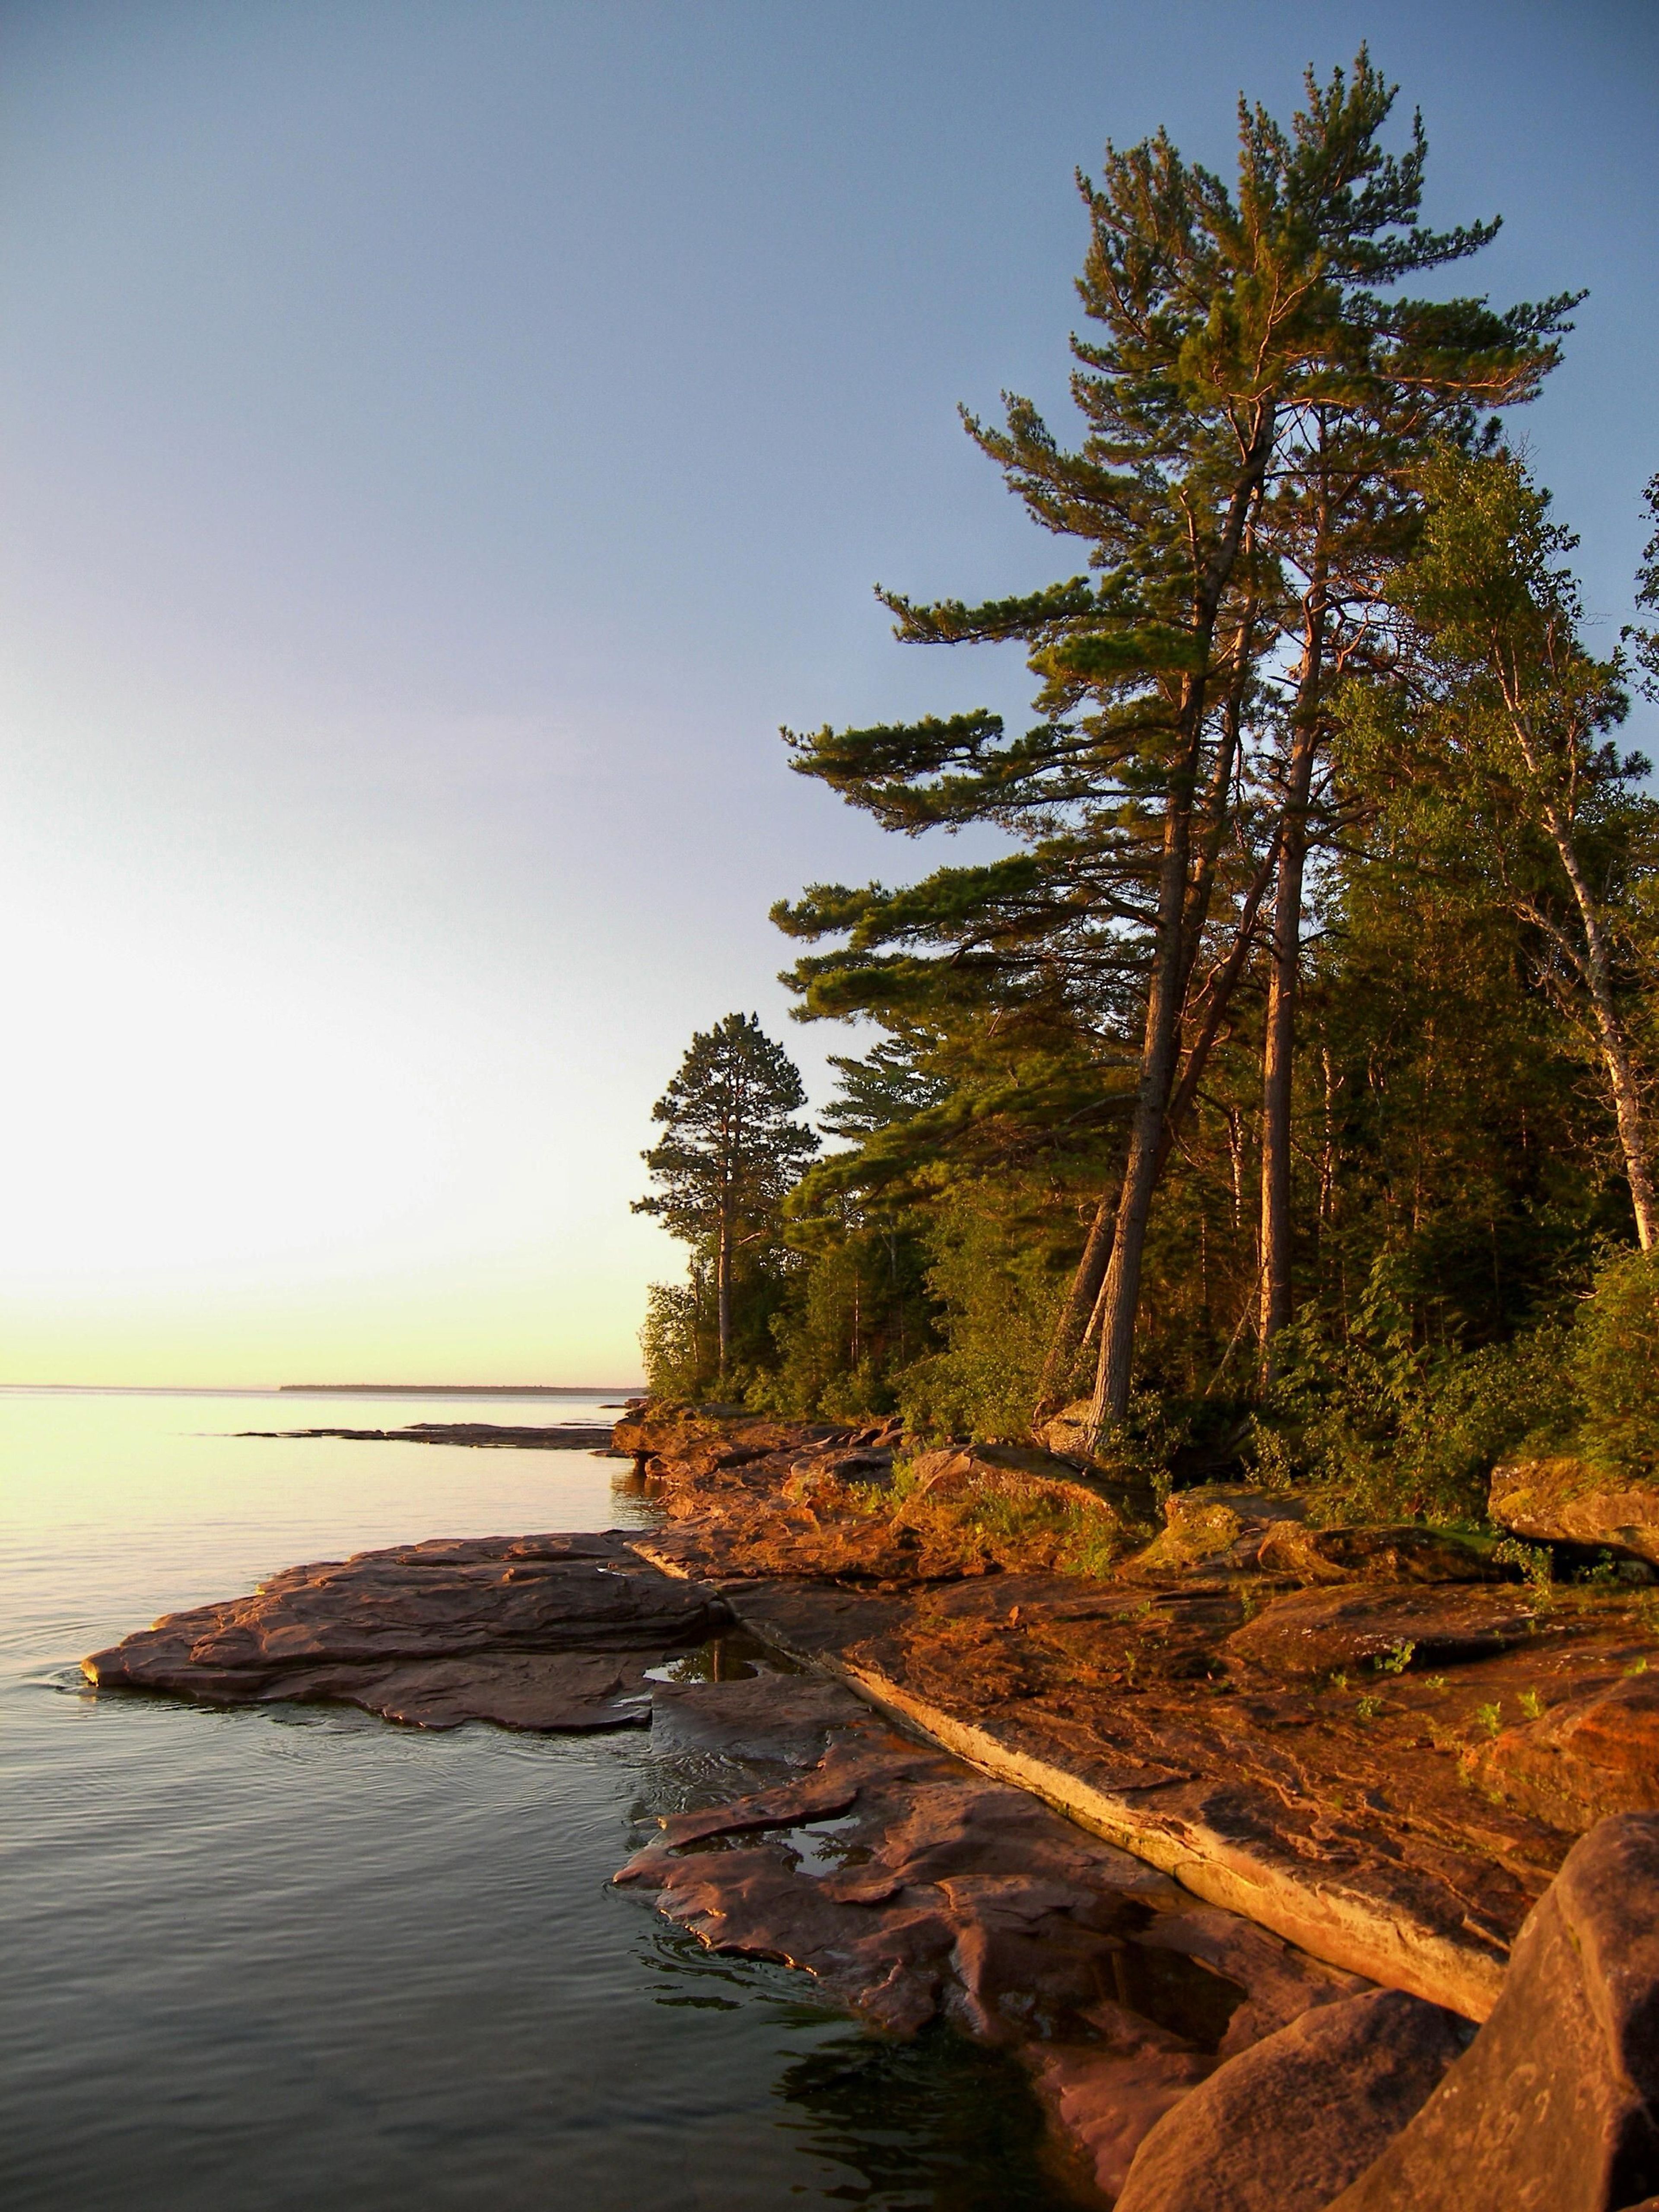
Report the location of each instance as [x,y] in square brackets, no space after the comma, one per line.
[294,1958]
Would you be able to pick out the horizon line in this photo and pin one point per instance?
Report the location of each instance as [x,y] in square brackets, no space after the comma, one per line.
[347,1390]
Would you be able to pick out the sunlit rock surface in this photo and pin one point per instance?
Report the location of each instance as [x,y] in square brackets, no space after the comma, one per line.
[1291,1721]
[1304,1767]
[1298,2116]
[1555,2107]
[530,1631]
[1565,1501]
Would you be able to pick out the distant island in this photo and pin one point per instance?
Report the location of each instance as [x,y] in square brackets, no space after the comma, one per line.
[463,1389]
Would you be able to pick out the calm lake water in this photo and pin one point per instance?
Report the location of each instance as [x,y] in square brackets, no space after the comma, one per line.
[298,1958]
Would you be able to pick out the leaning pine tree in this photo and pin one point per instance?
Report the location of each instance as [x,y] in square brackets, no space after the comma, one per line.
[1225,324]
[730,1148]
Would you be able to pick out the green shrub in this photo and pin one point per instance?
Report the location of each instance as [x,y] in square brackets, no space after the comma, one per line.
[1614,1359]
[1387,1430]
[998,1304]
[678,1341]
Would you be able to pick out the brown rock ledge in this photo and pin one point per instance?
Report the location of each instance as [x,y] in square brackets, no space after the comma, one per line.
[1566,1501]
[1290,1725]
[547,1632]
[1271,1795]
[911,1889]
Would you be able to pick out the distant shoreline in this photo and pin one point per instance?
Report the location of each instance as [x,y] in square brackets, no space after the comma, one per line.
[461,1389]
[325,1389]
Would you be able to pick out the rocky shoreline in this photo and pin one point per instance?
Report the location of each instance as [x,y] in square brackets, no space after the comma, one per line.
[1331,1797]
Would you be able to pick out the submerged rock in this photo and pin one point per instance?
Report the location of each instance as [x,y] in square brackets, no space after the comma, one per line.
[770,1717]
[1290,2122]
[1566,1501]
[912,1887]
[1555,2106]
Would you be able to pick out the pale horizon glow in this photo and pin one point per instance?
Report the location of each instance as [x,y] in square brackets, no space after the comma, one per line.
[440,444]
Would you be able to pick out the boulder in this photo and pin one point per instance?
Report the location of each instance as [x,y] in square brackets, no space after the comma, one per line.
[1588,1757]
[1067,1432]
[1023,1476]
[1218,1525]
[1397,1555]
[1295,2118]
[1322,1632]
[1566,1501]
[1553,2108]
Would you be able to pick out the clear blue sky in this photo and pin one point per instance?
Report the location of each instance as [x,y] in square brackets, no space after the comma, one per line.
[441,444]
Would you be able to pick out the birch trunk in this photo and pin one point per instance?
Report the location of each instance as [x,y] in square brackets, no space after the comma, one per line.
[1610,1035]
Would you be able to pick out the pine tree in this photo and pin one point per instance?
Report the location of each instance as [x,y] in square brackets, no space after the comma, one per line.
[1227,325]
[731,1150]
[1386,378]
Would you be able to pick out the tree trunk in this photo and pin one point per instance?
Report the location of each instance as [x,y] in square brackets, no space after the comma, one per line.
[1279,1050]
[723,1287]
[1157,1063]
[1161,1036]
[1082,1309]
[1078,1309]
[1076,1317]
[1610,1036]
[1279,1042]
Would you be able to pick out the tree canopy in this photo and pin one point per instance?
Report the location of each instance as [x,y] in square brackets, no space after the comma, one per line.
[1289,1069]
[731,1146]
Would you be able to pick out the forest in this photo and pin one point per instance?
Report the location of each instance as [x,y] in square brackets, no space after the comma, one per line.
[1277,1095]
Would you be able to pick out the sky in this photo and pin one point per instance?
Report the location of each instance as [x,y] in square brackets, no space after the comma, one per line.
[440,442]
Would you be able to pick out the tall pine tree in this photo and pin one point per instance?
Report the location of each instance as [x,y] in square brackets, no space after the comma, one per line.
[731,1149]
[1224,325]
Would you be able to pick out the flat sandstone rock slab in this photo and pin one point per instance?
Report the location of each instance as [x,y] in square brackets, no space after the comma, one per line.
[1321,1631]
[532,1631]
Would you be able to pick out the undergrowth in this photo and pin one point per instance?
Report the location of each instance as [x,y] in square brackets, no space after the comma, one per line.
[1384,1428]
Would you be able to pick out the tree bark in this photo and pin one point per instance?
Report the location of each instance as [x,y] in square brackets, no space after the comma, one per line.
[1595,966]
[1082,1302]
[1122,1283]
[1279,1050]
[1078,1309]
[1278,1042]
[1160,1038]
[1610,1036]
[723,1286]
